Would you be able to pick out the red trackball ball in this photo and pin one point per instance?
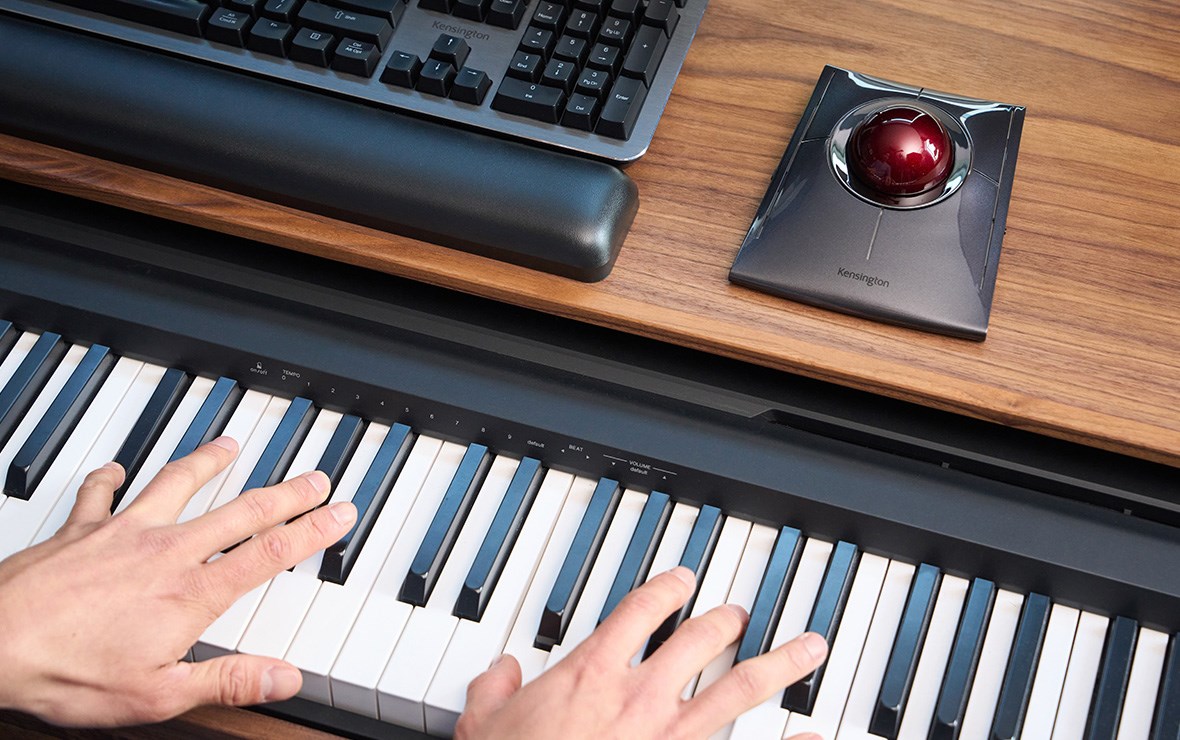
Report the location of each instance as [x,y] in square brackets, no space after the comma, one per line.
[901,151]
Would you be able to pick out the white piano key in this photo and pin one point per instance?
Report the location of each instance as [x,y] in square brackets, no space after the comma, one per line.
[1080,675]
[168,439]
[870,672]
[671,547]
[936,650]
[845,653]
[402,688]
[375,633]
[1143,686]
[40,405]
[282,609]
[717,579]
[1050,676]
[16,355]
[769,719]
[107,444]
[226,632]
[335,608]
[993,661]
[21,520]
[475,644]
[602,575]
[742,591]
[250,449]
[524,628]
[239,427]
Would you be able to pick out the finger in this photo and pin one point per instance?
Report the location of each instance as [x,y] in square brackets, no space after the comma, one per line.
[751,682]
[640,612]
[257,510]
[95,496]
[487,693]
[233,680]
[162,500]
[277,549]
[693,645]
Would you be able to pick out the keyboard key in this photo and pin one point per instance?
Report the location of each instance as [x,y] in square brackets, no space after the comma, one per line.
[450,49]
[346,24]
[537,41]
[1113,677]
[964,659]
[272,464]
[531,100]
[645,54]
[474,10]
[697,553]
[498,543]
[772,593]
[560,73]
[340,449]
[525,66]
[211,417]
[448,519]
[1018,680]
[825,620]
[1080,676]
[548,15]
[31,461]
[148,425]
[280,10]
[336,608]
[471,86]
[390,10]
[594,82]
[506,13]
[270,37]
[578,561]
[989,676]
[615,31]
[369,499]
[1144,685]
[605,57]
[663,15]
[582,24]
[571,49]
[182,16]
[621,110]
[312,47]
[402,69]
[228,26]
[640,551]
[907,648]
[629,9]
[1050,677]
[1167,710]
[27,380]
[436,78]
[919,711]
[356,58]
[581,112]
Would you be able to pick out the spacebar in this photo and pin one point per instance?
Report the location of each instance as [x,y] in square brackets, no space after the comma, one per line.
[183,16]
[514,202]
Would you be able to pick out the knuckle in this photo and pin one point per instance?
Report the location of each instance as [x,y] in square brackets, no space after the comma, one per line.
[304,491]
[276,546]
[236,684]
[748,682]
[159,541]
[260,507]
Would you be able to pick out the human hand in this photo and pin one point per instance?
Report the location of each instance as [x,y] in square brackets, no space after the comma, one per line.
[98,618]
[595,692]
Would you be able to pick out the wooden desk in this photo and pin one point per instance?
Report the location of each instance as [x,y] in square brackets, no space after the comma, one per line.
[1085,330]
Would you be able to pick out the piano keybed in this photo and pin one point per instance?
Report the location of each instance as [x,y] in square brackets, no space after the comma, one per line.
[468,545]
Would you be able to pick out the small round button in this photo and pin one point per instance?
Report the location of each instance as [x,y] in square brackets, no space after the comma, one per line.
[901,151]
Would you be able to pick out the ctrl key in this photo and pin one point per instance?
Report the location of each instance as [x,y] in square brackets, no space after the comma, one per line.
[621,109]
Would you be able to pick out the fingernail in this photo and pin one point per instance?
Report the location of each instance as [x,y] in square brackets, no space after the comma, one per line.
[280,682]
[318,480]
[499,659]
[112,465]
[686,575]
[815,646]
[226,443]
[740,611]
[344,513]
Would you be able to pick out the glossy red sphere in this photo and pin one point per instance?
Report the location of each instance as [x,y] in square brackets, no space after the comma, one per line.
[901,151]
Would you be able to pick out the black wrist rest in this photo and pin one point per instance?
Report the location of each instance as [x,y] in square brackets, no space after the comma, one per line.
[510,201]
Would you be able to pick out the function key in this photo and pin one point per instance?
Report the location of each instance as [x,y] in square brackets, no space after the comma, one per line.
[474,10]
[270,37]
[450,49]
[697,553]
[506,13]
[228,26]
[548,15]
[436,77]
[402,69]
[663,15]
[471,86]
[312,47]
[768,603]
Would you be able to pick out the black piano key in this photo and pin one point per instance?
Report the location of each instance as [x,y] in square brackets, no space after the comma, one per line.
[210,418]
[151,422]
[340,448]
[276,457]
[1110,690]
[1166,725]
[498,542]
[444,528]
[697,552]
[772,592]
[907,646]
[964,659]
[825,620]
[640,550]
[31,461]
[1022,667]
[27,381]
[567,589]
[369,499]
[8,335]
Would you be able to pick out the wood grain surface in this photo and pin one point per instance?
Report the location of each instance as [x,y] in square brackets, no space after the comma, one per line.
[1084,341]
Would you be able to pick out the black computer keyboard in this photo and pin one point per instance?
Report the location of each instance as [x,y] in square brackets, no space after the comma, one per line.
[587,76]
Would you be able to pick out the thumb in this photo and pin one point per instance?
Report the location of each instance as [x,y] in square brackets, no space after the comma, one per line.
[238,680]
[488,692]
